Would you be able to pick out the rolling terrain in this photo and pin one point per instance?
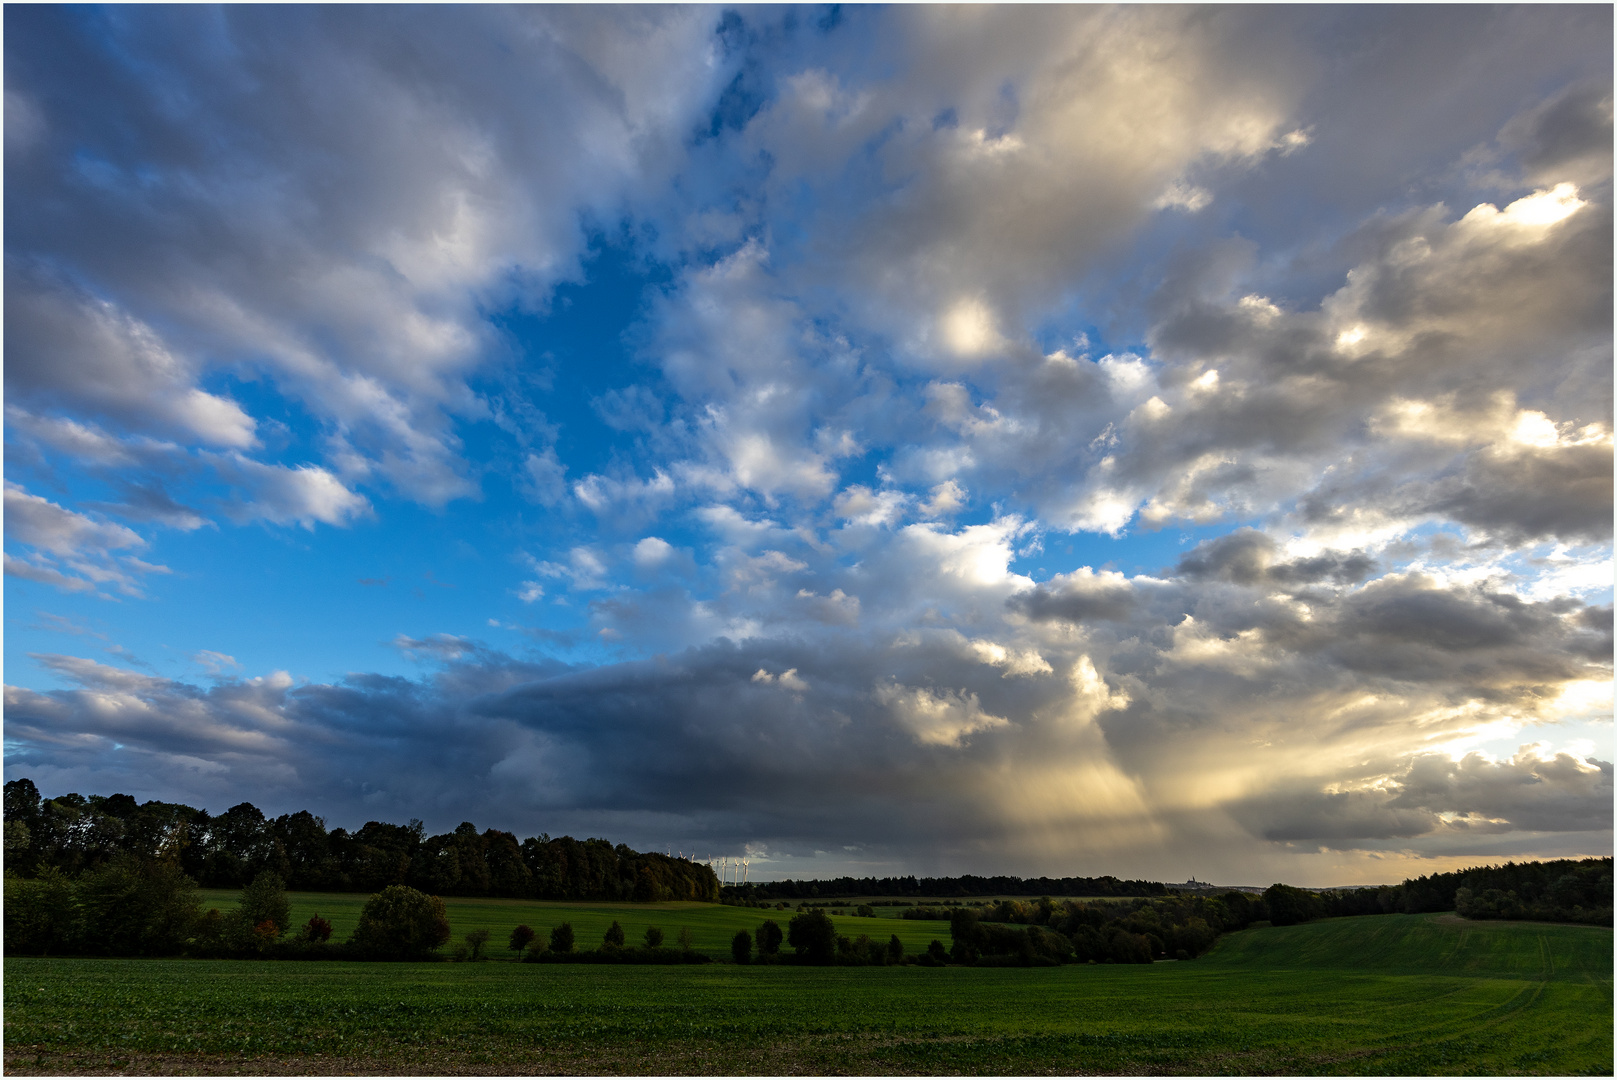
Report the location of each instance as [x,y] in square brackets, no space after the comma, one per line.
[1372,995]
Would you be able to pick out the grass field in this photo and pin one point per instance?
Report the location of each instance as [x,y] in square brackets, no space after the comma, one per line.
[711,925]
[1377,995]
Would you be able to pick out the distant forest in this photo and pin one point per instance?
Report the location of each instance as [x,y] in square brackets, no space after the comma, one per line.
[74,834]
[964,885]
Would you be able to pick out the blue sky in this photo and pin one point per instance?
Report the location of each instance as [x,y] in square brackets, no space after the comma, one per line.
[1018,440]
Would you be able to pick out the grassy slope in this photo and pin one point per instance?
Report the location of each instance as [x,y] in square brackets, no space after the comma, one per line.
[1381,995]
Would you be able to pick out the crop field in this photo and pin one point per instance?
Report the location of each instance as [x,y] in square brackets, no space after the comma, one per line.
[1393,994]
[711,925]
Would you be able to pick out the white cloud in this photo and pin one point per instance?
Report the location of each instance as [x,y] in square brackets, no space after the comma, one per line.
[302,494]
[937,718]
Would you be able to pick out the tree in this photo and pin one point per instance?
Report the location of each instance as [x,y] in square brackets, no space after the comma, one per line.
[1289,906]
[401,923]
[813,935]
[265,901]
[895,950]
[741,947]
[685,938]
[521,938]
[937,953]
[561,938]
[864,911]
[968,936]
[769,938]
[654,937]
[614,936]
[475,940]
[40,915]
[316,929]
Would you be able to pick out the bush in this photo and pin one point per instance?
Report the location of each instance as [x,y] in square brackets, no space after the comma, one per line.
[521,938]
[654,937]
[769,938]
[561,938]
[475,940]
[316,929]
[400,923]
[614,935]
[864,911]
[741,947]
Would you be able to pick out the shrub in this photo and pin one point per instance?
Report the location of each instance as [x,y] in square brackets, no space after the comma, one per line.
[561,938]
[475,940]
[614,935]
[654,937]
[400,923]
[685,939]
[895,950]
[769,938]
[864,911]
[316,929]
[521,938]
[741,947]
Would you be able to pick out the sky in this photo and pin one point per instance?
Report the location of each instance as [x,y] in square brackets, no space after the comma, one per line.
[1147,441]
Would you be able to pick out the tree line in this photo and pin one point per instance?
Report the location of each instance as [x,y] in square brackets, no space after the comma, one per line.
[1557,890]
[964,885]
[76,834]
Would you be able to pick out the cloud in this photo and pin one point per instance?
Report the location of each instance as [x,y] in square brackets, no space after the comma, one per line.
[342,235]
[72,552]
[899,303]
[302,494]
[69,350]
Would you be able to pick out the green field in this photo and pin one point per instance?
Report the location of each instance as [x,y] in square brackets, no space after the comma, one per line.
[711,925]
[1393,994]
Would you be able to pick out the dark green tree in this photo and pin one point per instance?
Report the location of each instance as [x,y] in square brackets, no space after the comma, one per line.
[813,935]
[1289,906]
[561,938]
[968,936]
[521,938]
[614,936]
[741,947]
[401,923]
[264,900]
[769,938]
[654,937]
